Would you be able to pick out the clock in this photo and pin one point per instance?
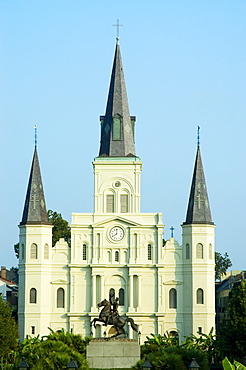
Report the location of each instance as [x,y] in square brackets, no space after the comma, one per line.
[116,233]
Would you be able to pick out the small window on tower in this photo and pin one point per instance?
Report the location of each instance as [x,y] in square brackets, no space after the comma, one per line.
[116,256]
[199,296]
[117,128]
[33,295]
[46,251]
[34,251]
[110,203]
[124,208]
[199,251]
[33,329]
[84,252]
[149,252]
[22,251]
[187,251]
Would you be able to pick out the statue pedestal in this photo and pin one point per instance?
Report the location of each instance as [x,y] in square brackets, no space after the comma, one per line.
[112,353]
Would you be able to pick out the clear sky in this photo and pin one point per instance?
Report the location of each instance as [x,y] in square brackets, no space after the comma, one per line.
[184,64]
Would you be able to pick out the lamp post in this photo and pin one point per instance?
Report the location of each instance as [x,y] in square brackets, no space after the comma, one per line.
[72,364]
[23,364]
[146,365]
[194,365]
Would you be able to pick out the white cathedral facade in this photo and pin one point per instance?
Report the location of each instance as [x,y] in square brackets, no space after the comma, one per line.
[164,287]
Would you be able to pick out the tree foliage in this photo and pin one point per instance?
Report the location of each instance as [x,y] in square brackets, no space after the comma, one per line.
[165,352]
[222,263]
[227,365]
[231,336]
[17,249]
[53,351]
[8,332]
[60,229]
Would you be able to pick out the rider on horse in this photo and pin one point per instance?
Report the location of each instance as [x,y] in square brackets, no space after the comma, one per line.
[114,314]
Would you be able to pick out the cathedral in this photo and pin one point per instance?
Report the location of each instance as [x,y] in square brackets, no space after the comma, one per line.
[117,251]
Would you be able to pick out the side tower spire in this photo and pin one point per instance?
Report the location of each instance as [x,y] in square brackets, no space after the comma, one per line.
[198,255]
[35,209]
[198,211]
[117,126]
[35,246]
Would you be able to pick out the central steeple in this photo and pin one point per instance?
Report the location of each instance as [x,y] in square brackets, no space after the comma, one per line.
[117,126]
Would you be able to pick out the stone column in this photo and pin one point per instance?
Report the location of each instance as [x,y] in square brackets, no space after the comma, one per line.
[102,288]
[94,292]
[131,293]
[139,293]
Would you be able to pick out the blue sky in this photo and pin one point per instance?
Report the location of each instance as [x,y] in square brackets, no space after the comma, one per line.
[184,64]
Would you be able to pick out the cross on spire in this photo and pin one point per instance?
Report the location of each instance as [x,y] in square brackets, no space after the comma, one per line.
[118,25]
[172,230]
[198,136]
[35,135]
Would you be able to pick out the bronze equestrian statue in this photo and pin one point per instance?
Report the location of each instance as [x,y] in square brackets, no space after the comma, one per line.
[110,316]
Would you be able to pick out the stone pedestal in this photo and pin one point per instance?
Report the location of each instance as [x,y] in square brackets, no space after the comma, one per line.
[113,353]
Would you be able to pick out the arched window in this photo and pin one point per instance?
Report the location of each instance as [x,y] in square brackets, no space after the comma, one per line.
[110,203]
[199,296]
[175,335]
[172,298]
[187,250]
[124,205]
[46,251]
[84,252]
[60,298]
[149,252]
[210,252]
[199,251]
[121,297]
[33,295]
[116,256]
[34,251]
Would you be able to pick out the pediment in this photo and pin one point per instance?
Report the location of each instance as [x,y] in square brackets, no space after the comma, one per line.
[59,282]
[119,219]
[172,282]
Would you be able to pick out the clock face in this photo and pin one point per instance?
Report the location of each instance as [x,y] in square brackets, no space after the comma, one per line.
[116,233]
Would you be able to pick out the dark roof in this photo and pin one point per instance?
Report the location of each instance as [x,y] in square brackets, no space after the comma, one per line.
[120,144]
[35,208]
[198,207]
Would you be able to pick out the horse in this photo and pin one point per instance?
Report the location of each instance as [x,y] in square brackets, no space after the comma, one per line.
[108,318]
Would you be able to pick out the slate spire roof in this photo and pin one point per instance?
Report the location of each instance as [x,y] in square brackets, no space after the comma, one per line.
[35,209]
[198,211]
[117,126]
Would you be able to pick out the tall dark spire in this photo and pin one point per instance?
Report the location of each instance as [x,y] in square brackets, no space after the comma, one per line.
[117,126]
[198,208]
[35,208]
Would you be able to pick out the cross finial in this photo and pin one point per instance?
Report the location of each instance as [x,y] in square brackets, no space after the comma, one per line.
[172,229]
[35,135]
[118,25]
[198,136]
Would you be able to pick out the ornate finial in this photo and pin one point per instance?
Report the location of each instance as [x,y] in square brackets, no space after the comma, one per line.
[35,135]
[118,25]
[198,136]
